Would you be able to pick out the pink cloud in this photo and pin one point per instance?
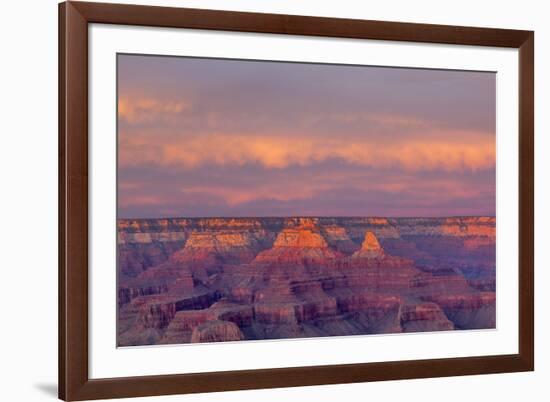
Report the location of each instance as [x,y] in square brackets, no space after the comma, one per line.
[459,151]
[145,110]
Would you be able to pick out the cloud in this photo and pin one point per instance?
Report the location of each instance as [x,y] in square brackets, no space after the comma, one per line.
[329,188]
[146,110]
[203,137]
[338,201]
[141,200]
[369,119]
[454,151]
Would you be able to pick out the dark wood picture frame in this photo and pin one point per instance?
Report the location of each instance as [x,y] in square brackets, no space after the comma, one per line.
[74,382]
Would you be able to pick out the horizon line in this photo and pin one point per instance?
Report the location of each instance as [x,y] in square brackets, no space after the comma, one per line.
[310,217]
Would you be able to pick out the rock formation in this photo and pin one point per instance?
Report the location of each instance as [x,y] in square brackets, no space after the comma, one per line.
[216,331]
[338,239]
[301,245]
[370,248]
[424,317]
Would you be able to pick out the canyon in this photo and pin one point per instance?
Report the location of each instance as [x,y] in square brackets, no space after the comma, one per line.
[195,280]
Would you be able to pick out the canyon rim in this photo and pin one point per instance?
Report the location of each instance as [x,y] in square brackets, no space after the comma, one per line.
[270,200]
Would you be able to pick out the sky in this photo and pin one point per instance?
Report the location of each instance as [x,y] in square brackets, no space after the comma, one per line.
[231,138]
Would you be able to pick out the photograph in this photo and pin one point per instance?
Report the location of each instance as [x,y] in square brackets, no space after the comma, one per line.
[261,200]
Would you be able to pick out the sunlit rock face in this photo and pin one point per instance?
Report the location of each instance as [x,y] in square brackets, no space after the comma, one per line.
[216,331]
[235,279]
[301,237]
[303,245]
[370,248]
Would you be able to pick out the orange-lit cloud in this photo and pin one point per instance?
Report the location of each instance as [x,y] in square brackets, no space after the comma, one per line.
[140,200]
[145,110]
[462,151]
[274,191]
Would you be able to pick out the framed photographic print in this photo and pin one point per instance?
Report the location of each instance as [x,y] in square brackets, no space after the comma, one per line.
[259,200]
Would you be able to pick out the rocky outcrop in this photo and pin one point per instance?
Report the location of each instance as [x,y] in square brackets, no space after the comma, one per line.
[302,237]
[185,322]
[273,313]
[338,239]
[370,248]
[303,245]
[468,311]
[370,244]
[216,331]
[211,249]
[157,315]
[203,255]
[127,294]
[136,257]
[228,246]
[170,274]
[424,317]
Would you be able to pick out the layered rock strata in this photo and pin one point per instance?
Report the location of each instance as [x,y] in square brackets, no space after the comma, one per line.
[232,279]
